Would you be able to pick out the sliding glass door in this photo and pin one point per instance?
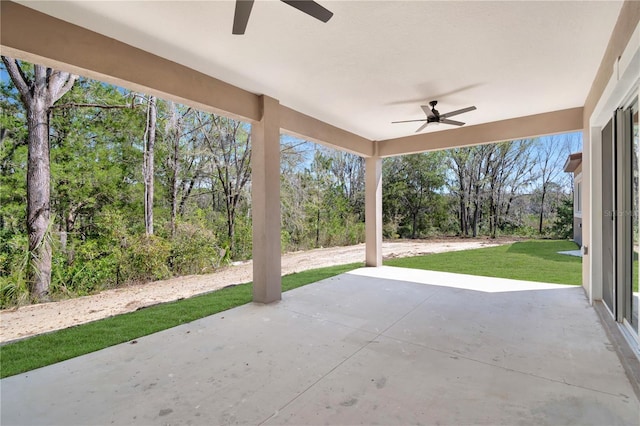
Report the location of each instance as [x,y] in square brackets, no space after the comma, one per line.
[621,195]
[631,311]
[609,217]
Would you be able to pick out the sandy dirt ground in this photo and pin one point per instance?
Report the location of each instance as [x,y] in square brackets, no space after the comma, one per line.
[18,323]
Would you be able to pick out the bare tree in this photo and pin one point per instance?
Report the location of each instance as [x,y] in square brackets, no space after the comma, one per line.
[510,167]
[148,169]
[187,160]
[480,168]
[173,133]
[458,159]
[348,170]
[38,94]
[230,146]
[549,161]
[485,180]
[294,191]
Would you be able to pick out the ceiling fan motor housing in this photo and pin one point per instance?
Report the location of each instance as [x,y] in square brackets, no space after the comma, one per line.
[436,115]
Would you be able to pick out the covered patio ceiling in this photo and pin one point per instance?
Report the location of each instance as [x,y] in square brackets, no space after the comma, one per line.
[376,61]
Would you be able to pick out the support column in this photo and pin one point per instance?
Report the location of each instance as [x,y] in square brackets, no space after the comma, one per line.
[592,213]
[373,211]
[265,203]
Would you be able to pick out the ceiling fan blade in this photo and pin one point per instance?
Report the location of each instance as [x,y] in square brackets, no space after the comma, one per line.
[408,121]
[452,122]
[241,16]
[460,111]
[427,110]
[421,128]
[311,8]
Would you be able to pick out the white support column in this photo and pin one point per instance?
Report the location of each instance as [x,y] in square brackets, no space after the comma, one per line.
[373,211]
[265,203]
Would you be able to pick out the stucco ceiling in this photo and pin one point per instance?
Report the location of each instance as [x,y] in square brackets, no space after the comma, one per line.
[376,61]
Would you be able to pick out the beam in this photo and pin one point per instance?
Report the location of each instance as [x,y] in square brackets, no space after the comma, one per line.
[568,120]
[39,38]
[265,204]
[303,126]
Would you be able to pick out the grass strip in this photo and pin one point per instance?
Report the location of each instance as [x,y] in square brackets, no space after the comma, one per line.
[534,260]
[46,349]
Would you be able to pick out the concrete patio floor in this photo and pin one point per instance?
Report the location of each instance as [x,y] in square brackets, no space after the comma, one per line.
[375,346]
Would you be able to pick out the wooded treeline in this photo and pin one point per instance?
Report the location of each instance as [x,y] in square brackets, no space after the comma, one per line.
[101,186]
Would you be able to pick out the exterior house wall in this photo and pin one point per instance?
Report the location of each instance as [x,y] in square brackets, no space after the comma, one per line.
[578,189]
[605,263]
[599,93]
[577,230]
[574,165]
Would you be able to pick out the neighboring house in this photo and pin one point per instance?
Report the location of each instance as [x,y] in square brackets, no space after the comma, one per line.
[574,165]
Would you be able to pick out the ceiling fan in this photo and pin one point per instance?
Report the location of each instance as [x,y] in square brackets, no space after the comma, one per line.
[433,116]
[243,10]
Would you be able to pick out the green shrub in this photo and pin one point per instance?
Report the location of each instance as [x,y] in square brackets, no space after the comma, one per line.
[194,251]
[354,233]
[146,259]
[14,260]
[87,267]
[14,290]
[243,241]
[563,224]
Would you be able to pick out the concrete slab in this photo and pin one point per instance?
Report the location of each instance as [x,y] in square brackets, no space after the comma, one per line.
[376,346]
[236,367]
[576,253]
[393,382]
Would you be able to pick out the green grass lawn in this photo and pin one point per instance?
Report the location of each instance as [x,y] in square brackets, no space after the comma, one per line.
[46,349]
[635,272]
[535,260]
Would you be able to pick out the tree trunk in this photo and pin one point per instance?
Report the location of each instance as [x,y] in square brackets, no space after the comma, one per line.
[414,221]
[231,226]
[493,219]
[69,226]
[476,216]
[148,167]
[318,229]
[477,204]
[544,192]
[174,191]
[185,197]
[174,165]
[38,96]
[462,217]
[38,199]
